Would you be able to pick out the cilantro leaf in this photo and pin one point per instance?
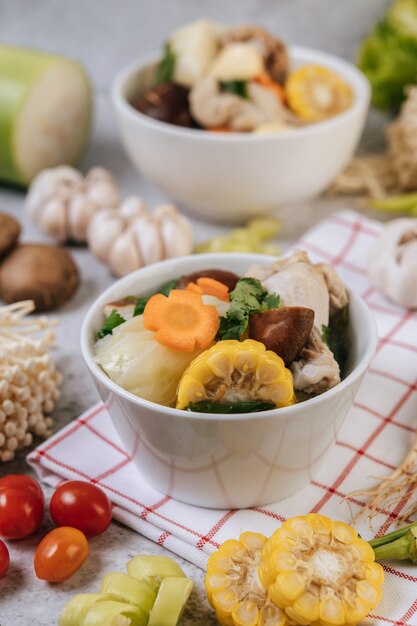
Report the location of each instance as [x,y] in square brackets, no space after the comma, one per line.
[114,319]
[248,297]
[166,66]
[237,87]
[165,290]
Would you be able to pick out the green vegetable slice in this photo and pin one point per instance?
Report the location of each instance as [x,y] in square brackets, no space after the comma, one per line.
[247,298]
[76,609]
[114,320]
[165,69]
[237,87]
[170,601]
[253,406]
[153,568]
[112,613]
[125,588]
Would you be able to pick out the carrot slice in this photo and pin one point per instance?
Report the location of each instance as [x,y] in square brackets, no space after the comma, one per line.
[181,321]
[266,81]
[219,129]
[210,287]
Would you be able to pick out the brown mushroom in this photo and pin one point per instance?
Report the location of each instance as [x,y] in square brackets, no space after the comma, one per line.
[284,330]
[227,278]
[45,274]
[9,233]
[167,102]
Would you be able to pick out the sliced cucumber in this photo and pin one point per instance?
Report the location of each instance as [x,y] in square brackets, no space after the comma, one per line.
[45,112]
[76,609]
[153,568]
[170,601]
[125,588]
[112,613]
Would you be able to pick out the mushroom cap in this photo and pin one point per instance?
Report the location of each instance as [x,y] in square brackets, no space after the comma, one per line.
[45,274]
[9,233]
[392,263]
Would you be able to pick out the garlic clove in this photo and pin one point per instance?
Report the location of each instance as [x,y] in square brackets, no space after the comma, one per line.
[169,210]
[104,193]
[103,230]
[148,237]
[52,220]
[124,255]
[177,240]
[81,210]
[133,207]
[62,180]
[237,61]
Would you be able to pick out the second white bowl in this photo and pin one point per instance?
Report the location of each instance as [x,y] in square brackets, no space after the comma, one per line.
[230,177]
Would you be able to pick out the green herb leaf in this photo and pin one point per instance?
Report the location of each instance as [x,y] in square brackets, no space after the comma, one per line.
[336,336]
[165,69]
[114,319]
[237,87]
[165,290]
[254,406]
[248,297]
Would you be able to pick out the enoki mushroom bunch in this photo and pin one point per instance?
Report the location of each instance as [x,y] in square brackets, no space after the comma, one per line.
[28,379]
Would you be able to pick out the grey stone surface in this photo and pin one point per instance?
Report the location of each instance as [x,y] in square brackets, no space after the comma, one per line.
[105,35]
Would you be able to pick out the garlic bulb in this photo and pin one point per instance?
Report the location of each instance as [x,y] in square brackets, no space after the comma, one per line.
[130,237]
[392,265]
[28,378]
[402,142]
[62,202]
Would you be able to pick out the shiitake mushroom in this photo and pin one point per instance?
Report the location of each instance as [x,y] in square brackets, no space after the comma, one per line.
[167,102]
[284,330]
[45,274]
[227,278]
[9,233]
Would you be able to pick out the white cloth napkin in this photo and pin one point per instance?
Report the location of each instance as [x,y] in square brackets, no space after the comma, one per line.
[373,440]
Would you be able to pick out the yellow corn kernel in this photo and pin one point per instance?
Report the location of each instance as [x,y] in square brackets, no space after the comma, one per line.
[316,93]
[320,571]
[246,614]
[236,371]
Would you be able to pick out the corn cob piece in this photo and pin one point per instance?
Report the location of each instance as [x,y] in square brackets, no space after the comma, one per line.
[170,601]
[125,588]
[316,93]
[234,588]
[76,609]
[153,568]
[320,572]
[236,371]
[112,613]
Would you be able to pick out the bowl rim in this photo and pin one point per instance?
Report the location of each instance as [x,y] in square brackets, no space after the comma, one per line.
[354,76]
[367,320]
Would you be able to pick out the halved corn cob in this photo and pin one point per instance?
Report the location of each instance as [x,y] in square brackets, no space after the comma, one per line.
[316,93]
[234,588]
[236,371]
[321,572]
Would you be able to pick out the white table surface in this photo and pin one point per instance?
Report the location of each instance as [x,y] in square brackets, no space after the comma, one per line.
[105,35]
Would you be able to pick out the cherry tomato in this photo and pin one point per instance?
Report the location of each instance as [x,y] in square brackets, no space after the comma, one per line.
[81,505]
[60,554]
[4,559]
[22,506]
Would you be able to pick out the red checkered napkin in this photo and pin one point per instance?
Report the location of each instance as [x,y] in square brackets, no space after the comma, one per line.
[373,440]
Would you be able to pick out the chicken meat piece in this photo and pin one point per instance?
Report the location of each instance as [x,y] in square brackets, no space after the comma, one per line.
[299,282]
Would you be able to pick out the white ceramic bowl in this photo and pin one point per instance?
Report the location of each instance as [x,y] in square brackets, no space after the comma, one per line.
[226,461]
[229,177]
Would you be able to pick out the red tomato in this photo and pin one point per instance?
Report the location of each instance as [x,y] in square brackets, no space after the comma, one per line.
[4,559]
[60,554]
[22,506]
[81,505]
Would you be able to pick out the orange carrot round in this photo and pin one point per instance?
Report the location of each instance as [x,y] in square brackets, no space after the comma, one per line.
[266,81]
[181,321]
[210,287]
